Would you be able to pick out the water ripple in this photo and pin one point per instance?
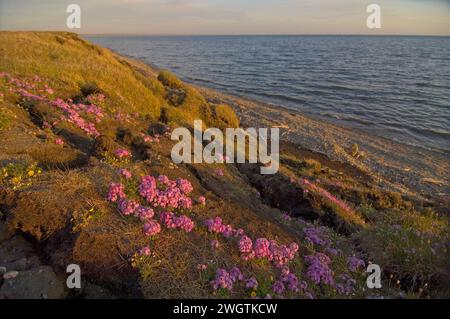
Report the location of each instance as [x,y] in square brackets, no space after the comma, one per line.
[397,87]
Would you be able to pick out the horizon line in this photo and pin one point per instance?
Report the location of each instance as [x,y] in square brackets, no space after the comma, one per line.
[262,34]
[231,34]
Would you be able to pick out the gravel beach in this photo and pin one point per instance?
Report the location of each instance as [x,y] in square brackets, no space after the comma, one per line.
[410,170]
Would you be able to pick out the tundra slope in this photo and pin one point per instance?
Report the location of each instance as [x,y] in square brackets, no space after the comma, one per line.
[87,178]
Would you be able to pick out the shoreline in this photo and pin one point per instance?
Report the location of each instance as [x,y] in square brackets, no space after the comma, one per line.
[382,157]
[346,124]
[325,119]
[411,170]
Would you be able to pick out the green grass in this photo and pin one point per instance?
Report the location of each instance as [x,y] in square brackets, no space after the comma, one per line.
[411,245]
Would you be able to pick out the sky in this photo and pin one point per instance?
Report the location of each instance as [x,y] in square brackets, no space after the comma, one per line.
[409,17]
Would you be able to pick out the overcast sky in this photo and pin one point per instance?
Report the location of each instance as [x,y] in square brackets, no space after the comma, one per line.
[229,16]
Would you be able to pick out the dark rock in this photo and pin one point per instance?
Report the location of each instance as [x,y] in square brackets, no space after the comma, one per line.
[278,191]
[91,291]
[22,264]
[5,232]
[37,283]
[14,249]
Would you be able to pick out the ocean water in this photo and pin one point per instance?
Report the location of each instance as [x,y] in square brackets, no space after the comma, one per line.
[395,87]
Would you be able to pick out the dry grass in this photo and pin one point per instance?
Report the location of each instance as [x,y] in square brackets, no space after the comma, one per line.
[53,156]
[57,56]
[187,105]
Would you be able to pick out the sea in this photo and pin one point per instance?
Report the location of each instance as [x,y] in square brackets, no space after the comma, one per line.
[397,87]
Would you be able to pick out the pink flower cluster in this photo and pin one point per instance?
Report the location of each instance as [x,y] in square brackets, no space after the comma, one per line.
[122,117]
[346,284]
[291,281]
[59,141]
[74,113]
[319,190]
[278,287]
[251,283]
[185,186]
[128,207]
[150,139]
[145,251]
[91,109]
[202,267]
[145,213]
[172,221]
[260,248]
[147,188]
[202,200]
[96,98]
[219,172]
[116,192]
[152,228]
[280,255]
[225,279]
[74,116]
[216,225]
[168,193]
[222,280]
[125,173]
[317,236]
[319,269]
[245,245]
[354,263]
[122,153]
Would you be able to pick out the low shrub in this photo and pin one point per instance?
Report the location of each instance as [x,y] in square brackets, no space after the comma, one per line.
[312,166]
[169,79]
[225,117]
[89,88]
[50,155]
[410,245]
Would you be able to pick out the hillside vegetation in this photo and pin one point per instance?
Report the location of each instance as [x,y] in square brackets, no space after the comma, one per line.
[86,178]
